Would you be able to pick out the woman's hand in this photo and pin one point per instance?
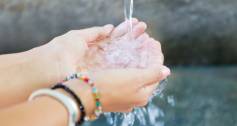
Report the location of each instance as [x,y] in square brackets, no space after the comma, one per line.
[68,50]
[41,67]
[121,89]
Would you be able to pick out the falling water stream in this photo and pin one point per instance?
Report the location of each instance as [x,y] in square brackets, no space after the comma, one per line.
[128,13]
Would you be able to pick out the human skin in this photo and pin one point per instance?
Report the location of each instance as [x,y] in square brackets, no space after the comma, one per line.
[43,66]
[22,73]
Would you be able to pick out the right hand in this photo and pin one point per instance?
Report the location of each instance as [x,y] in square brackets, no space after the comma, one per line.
[121,89]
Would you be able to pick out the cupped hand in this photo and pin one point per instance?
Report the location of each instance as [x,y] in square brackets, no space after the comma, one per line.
[69,49]
[120,89]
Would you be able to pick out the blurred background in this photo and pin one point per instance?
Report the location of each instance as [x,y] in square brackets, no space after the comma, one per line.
[198,39]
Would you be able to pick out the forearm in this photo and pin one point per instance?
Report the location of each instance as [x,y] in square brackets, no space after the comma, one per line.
[43,111]
[22,73]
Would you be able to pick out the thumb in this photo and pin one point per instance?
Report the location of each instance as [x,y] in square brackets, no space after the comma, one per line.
[151,76]
[136,77]
[96,33]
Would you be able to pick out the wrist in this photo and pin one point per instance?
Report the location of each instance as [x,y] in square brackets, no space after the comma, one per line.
[83,91]
[54,62]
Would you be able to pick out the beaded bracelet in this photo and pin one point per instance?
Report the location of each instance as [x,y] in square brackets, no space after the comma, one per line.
[95,93]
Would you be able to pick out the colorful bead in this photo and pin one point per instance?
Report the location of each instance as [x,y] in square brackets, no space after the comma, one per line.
[95,93]
[90,82]
[97,96]
[91,117]
[98,112]
[86,80]
[78,75]
[98,104]
[94,90]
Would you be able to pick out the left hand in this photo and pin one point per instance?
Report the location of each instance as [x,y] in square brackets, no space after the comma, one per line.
[68,50]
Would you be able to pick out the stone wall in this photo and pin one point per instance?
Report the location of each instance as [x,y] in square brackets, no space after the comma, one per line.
[191,31]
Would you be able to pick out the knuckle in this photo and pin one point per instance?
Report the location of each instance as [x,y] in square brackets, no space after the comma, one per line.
[158,44]
[162,58]
[96,28]
[129,110]
[58,38]
[143,102]
[73,32]
[139,79]
[70,31]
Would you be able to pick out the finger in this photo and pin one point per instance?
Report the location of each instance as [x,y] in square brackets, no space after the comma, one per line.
[149,90]
[136,77]
[157,56]
[156,44]
[96,33]
[144,95]
[127,110]
[122,110]
[138,30]
[122,29]
[165,72]
[143,37]
[153,75]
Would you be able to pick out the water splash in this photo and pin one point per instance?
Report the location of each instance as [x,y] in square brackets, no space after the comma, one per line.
[150,115]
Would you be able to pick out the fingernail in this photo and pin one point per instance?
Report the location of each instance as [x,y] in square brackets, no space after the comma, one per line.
[108,29]
[165,71]
[135,20]
[144,24]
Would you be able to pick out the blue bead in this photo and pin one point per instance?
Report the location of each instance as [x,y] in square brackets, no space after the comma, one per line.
[94,90]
